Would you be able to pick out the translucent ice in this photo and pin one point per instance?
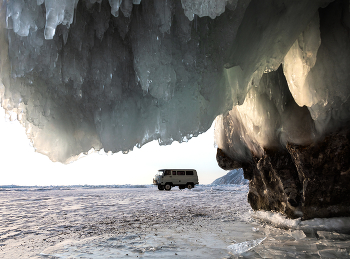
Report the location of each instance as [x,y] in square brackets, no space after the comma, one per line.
[297,234]
[299,60]
[323,226]
[244,246]
[312,92]
[58,13]
[120,73]
[21,18]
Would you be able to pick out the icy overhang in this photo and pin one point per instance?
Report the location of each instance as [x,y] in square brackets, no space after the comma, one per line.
[120,73]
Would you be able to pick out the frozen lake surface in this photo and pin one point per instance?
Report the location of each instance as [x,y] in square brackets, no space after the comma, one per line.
[125,222]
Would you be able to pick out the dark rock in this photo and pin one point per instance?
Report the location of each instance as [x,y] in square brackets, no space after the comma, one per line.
[225,162]
[324,171]
[294,150]
[309,181]
[275,184]
[233,177]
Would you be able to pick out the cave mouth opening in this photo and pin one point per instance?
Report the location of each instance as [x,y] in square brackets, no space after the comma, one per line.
[98,75]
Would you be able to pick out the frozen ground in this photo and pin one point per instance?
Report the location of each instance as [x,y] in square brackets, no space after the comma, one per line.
[206,222]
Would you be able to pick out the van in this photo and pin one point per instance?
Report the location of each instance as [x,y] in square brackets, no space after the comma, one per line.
[167,178]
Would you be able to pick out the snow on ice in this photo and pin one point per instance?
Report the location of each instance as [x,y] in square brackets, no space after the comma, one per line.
[213,221]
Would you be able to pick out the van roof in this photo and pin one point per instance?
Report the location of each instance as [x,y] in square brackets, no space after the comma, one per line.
[177,169]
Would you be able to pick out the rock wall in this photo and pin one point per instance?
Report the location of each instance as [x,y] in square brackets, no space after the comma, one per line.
[301,181]
[324,171]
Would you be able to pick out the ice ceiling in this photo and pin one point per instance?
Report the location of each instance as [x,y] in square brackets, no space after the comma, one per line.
[120,73]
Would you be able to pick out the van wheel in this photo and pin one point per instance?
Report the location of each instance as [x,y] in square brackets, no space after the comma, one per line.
[167,187]
[189,186]
[161,187]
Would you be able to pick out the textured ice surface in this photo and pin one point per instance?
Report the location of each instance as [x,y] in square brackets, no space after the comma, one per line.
[115,74]
[97,222]
[113,221]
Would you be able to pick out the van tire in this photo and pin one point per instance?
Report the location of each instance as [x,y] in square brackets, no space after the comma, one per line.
[160,187]
[167,187]
[189,186]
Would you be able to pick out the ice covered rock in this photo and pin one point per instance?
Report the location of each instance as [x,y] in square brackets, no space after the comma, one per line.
[292,167]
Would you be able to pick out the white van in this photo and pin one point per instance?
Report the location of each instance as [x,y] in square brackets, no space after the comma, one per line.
[167,178]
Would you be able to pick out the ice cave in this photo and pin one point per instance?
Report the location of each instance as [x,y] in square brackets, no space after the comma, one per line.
[274,74]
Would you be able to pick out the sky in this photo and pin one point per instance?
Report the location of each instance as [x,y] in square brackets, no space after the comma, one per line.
[21,165]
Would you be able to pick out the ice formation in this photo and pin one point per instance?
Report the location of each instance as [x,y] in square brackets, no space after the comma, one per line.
[290,70]
[82,74]
[244,246]
[115,74]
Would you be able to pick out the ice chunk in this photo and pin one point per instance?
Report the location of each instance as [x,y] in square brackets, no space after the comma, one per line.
[297,234]
[244,246]
[115,5]
[211,8]
[21,17]
[26,15]
[338,224]
[58,13]
[277,219]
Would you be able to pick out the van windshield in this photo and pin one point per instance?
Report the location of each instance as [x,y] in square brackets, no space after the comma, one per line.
[160,173]
[167,172]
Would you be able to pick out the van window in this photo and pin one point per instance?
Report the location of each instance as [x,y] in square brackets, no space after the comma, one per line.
[167,172]
[174,172]
[180,172]
[189,172]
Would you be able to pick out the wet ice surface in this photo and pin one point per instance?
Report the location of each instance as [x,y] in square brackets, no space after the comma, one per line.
[206,222]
